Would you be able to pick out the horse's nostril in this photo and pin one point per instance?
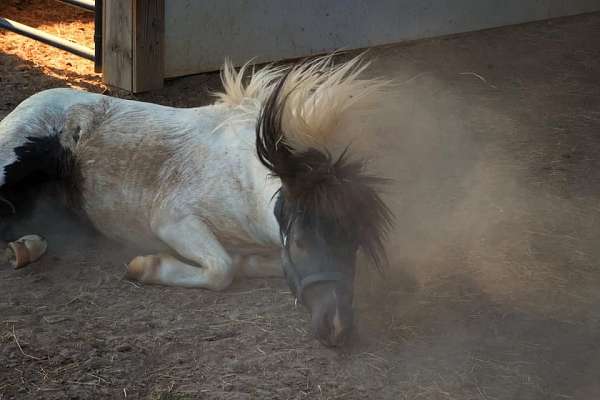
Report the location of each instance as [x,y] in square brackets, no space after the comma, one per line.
[332,330]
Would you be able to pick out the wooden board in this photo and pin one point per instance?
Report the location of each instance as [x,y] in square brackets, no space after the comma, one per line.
[117,48]
[133,32]
[149,28]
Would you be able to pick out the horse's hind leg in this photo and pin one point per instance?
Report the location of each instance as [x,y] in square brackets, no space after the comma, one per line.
[194,241]
[23,251]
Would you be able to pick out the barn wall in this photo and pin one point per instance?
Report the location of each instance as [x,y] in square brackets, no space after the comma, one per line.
[200,34]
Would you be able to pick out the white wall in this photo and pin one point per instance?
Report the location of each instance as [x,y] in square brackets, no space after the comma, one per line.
[199,34]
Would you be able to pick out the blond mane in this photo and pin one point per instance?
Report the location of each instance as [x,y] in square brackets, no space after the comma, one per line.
[322,99]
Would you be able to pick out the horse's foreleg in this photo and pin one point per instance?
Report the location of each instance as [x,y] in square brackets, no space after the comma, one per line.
[258,266]
[194,241]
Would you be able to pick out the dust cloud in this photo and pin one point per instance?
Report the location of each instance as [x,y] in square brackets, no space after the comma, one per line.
[484,191]
[492,288]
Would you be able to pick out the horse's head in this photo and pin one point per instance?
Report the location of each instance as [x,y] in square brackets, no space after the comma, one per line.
[326,214]
[327,209]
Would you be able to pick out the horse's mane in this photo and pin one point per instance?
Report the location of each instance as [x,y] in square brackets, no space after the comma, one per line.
[301,108]
[321,98]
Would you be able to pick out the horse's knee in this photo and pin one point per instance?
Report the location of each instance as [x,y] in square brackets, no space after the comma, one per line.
[220,279]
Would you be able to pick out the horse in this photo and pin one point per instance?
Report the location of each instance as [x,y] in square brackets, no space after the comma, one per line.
[262,182]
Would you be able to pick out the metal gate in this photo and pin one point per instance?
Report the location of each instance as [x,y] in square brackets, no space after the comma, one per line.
[60,43]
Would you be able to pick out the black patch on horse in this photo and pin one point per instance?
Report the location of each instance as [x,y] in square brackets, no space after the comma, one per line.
[39,159]
[42,163]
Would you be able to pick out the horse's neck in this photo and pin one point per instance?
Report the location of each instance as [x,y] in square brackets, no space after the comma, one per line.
[266,188]
[261,192]
[222,164]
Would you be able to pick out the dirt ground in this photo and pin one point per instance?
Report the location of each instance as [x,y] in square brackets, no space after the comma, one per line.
[494,286]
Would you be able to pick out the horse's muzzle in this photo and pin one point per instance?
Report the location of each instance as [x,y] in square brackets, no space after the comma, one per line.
[332,320]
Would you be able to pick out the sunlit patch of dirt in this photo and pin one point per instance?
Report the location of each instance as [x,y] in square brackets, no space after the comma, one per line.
[58,19]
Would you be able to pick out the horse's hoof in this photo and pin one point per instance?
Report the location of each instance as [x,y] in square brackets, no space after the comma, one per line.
[141,267]
[26,250]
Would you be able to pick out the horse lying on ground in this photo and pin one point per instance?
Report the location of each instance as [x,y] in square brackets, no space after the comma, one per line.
[258,183]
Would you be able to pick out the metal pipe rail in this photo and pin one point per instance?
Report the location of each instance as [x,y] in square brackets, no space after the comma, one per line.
[60,43]
[47,38]
[88,5]
[98,35]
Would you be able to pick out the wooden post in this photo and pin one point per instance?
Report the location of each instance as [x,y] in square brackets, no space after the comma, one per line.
[117,49]
[133,34]
[148,45]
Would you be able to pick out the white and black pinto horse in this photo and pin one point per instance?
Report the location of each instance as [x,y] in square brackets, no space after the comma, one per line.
[254,184]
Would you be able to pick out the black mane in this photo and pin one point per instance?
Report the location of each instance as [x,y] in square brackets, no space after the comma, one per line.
[317,188]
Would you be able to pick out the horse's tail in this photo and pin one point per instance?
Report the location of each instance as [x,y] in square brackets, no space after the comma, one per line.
[301,138]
